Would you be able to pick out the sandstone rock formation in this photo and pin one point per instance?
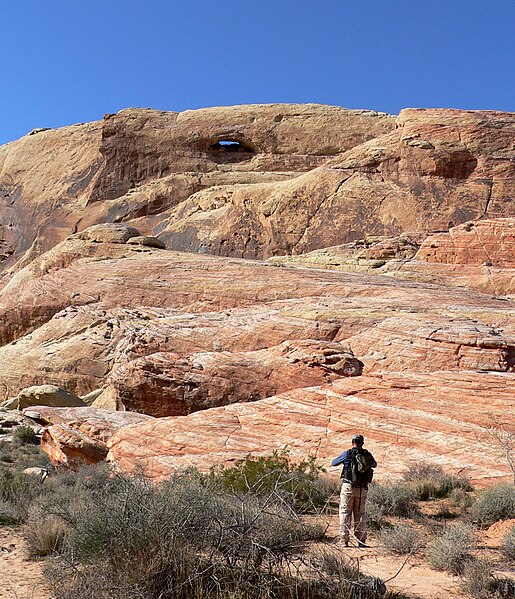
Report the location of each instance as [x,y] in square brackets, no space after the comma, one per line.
[79,436]
[253,356]
[438,417]
[477,254]
[170,384]
[136,165]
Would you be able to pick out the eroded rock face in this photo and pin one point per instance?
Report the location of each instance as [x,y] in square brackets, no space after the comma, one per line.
[136,165]
[91,298]
[438,417]
[478,255]
[78,436]
[170,384]
[437,169]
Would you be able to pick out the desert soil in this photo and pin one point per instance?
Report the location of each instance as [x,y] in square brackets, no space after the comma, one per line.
[20,577]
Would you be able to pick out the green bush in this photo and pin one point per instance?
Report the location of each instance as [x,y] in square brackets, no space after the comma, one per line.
[25,435]
[450,550]
[430,481]
[390,498]
[495,503]
[508,545]
[300,485]
[401,539]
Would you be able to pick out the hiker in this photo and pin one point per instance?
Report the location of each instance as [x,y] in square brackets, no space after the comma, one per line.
[358,464]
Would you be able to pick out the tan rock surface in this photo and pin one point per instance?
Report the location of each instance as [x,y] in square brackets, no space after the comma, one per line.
[437,417]
[437,169]
[47,395]
[138,163]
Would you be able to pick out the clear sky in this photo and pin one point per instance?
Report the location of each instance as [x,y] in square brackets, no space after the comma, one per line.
[69,61]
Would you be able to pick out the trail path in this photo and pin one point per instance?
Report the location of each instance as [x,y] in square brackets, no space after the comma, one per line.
[20,577]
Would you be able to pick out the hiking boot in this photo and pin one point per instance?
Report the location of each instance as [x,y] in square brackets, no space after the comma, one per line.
[362,545]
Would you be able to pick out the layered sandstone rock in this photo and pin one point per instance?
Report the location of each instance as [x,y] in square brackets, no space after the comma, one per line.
[84,319]
[170,384]
[440,417]
[108,310]
[478,255]
[79,436]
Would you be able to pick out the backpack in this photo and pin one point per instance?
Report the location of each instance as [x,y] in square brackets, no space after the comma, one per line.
[361,471]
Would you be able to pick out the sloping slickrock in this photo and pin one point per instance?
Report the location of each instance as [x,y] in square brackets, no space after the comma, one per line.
[478,255]
[437,169]
[438,417]
[136,164]
[166,384]
[82,318]
[79,435]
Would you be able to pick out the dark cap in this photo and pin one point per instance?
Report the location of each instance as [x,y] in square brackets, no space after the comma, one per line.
[358,439]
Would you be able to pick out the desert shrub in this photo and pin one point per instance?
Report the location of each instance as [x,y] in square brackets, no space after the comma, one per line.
[185,538]
[450,550]
[400,539]
[17,491]
[301,485]
[462,499]
[390,499]
[495,503]
[508,544]
[25,435]
[480,583]
[19,455]
[430,481]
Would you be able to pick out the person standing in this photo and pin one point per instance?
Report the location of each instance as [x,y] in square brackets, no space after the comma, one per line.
[358,464]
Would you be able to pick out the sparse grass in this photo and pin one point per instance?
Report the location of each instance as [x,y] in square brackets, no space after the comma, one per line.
[430,481]
[508,545]
[450,550]
[401,539]
[494,503]
[45,536]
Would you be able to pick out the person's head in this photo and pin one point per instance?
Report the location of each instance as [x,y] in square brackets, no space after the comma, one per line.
[358,440]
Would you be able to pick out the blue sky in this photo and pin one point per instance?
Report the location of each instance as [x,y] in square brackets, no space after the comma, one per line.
[68,61]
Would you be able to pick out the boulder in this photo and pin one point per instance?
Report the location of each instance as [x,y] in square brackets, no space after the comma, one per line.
[169,384]
[147,241]
[78,436]
[47,395]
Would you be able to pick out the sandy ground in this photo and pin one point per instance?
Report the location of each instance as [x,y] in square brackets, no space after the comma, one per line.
[20,577]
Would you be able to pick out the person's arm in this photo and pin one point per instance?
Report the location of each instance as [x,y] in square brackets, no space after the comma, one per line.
[374,463]
[340,459]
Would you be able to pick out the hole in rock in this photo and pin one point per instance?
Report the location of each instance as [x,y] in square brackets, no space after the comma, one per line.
[231,150]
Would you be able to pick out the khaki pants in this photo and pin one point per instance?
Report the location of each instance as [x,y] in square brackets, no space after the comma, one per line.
[352,507]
